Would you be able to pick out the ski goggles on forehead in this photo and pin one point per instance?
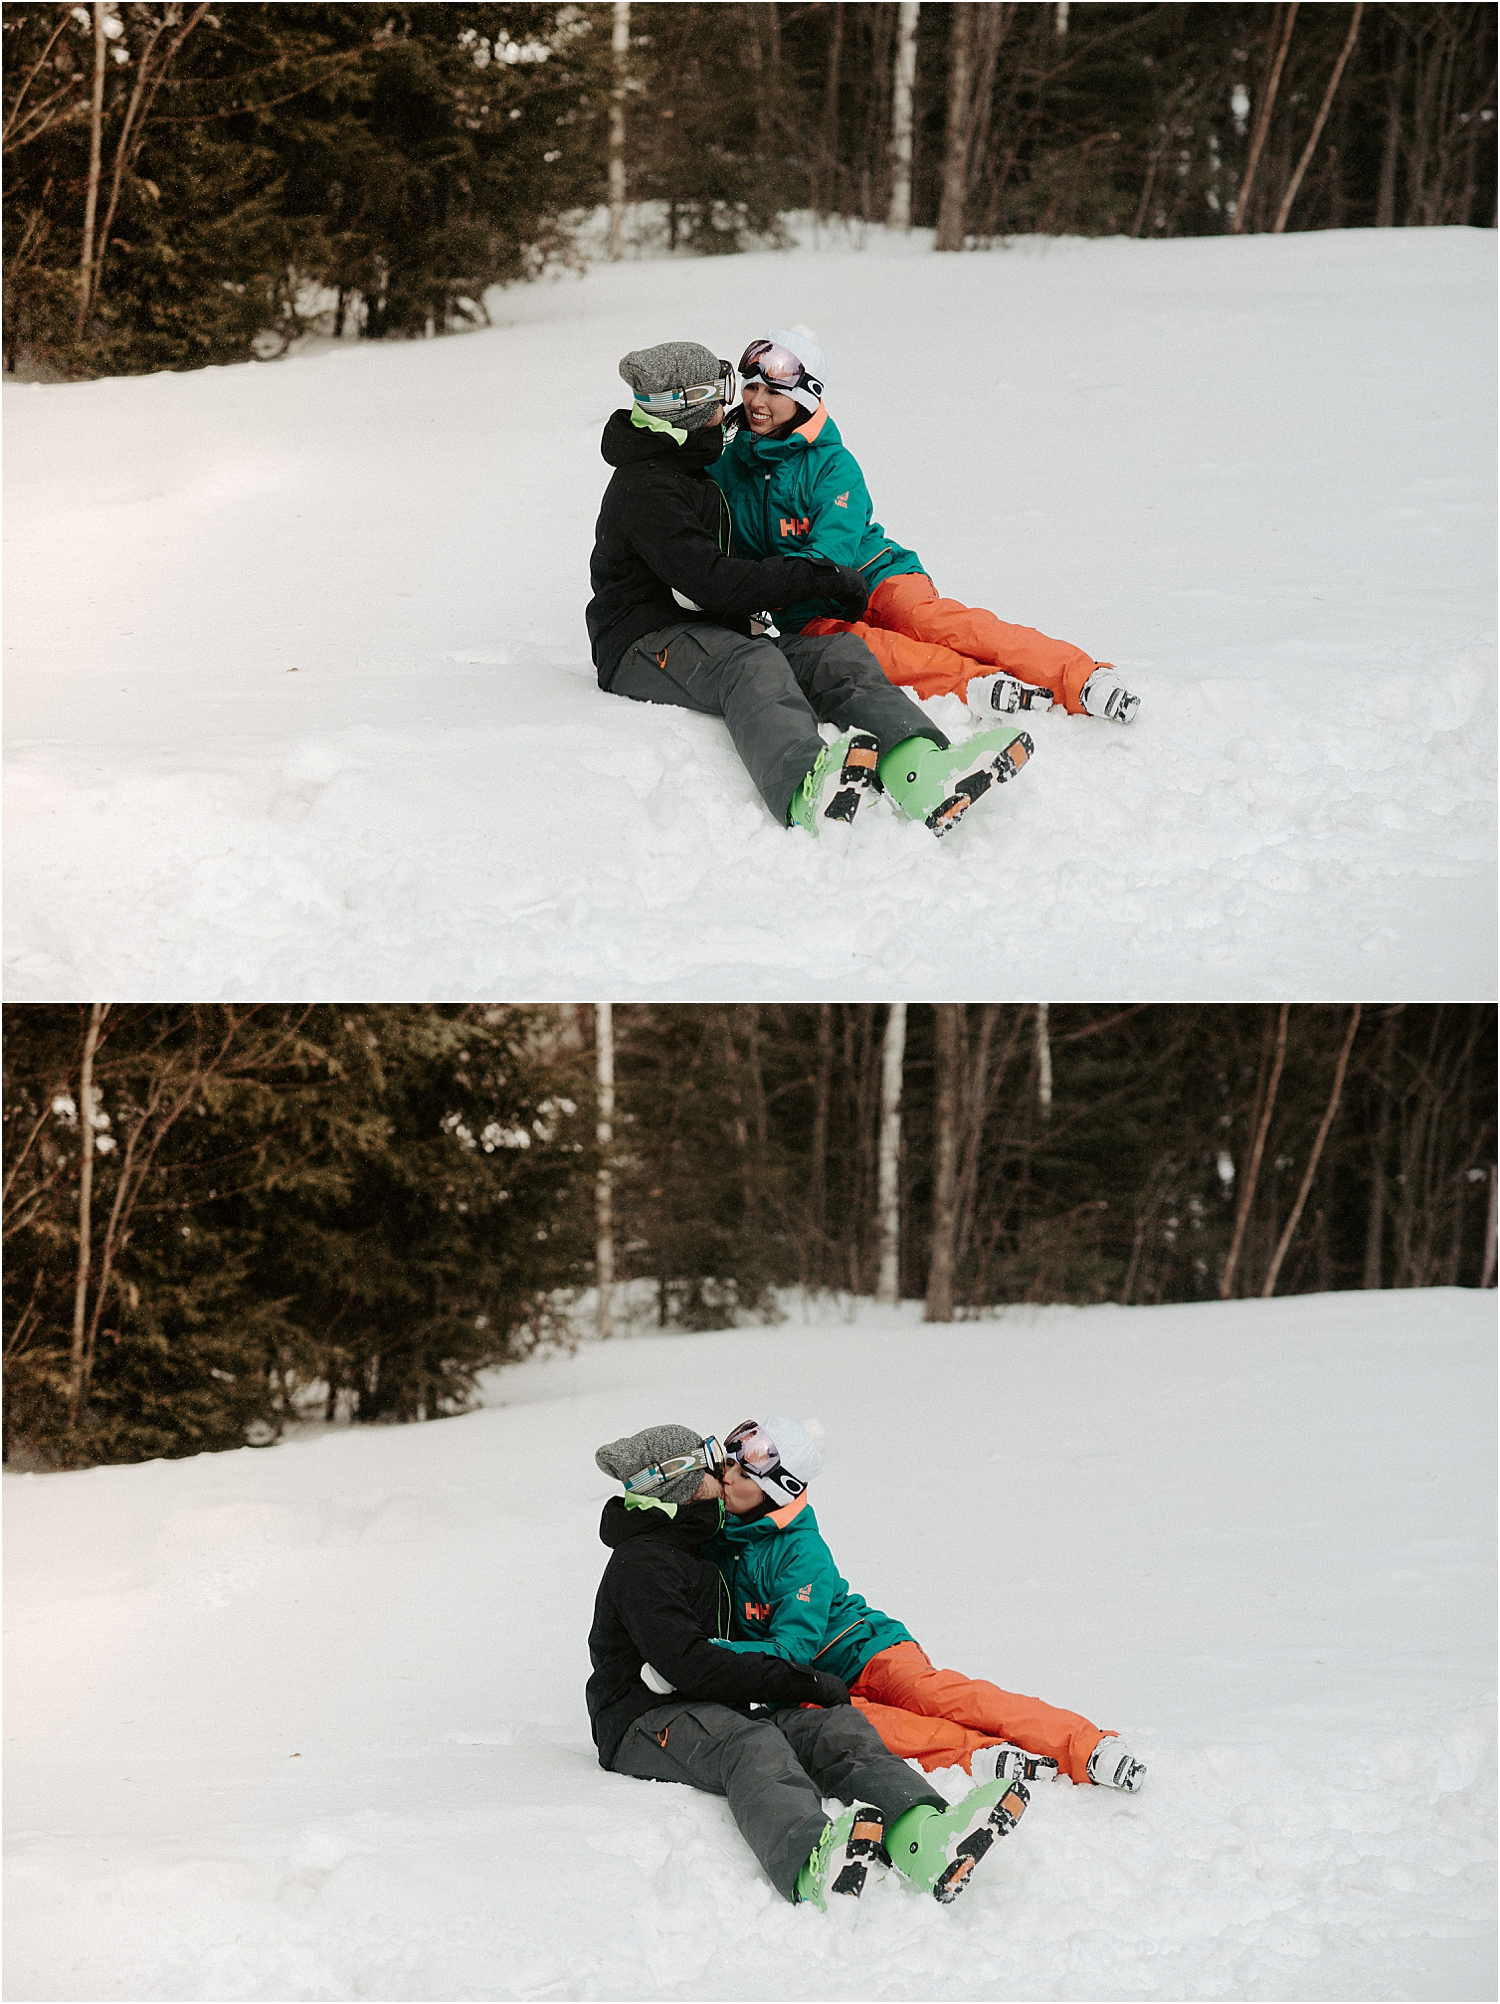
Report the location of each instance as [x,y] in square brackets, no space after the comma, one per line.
[691,396]
[778,368]
[752,1447]
[710,1458]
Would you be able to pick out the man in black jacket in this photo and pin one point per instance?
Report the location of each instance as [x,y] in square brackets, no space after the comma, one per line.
[666,1705]
[677,618]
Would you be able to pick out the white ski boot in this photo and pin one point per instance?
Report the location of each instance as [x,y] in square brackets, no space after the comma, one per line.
[1105,695]
[1113,1765]
[1011,1763]
[1001,694]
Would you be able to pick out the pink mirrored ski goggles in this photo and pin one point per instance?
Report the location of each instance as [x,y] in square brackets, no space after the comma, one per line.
[778,368]
[752,1447]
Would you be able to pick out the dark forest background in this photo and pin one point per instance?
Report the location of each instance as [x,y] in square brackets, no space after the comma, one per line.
[187,184]
[351,1211]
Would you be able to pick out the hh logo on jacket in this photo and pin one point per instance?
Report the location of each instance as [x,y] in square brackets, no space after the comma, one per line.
[792,527]
[757,1610]
[842,500]
[805,1592]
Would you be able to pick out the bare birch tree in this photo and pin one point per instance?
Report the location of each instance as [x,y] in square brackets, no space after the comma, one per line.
[1314,1158]
[1043,1061]
[85,1200]
[1252,1169]
[1318,123]
[899,217]
[1262,123]
[91,200]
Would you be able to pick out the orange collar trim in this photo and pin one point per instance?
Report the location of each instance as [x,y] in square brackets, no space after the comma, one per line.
[782,1517]
[814,424]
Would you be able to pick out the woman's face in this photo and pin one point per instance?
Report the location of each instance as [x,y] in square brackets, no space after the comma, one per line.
[766,409]
[740,1493]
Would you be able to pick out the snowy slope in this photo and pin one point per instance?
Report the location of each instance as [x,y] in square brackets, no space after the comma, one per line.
[300,704]
[309,1723]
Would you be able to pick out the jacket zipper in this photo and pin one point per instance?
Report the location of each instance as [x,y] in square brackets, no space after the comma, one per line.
[839,1637]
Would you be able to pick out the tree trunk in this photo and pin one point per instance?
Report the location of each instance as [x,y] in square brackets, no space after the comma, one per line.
[765,63]
[1318,123]
[756,1156]
[96,145]
[830,174]
[1043,1062]
[620,47]
[889,1290]
[1487,1271]
[973,1121]
[901,99]
[976,35]
[818,1179]
[85,1186]
[1252,1172]
[604,1189]
[1143,208]
[950,228]
[1375,1227]
[949,1023]
[1262,123]
[1385,197]
[1313,1159]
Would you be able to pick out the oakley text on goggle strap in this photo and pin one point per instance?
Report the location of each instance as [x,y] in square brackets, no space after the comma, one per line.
[777,367]
[710,1458]
[690,396]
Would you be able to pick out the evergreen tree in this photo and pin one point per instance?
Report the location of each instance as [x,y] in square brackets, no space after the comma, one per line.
[375,1202]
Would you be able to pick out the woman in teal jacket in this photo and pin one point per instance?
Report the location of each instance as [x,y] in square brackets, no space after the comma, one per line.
[790,1599]
[795,489]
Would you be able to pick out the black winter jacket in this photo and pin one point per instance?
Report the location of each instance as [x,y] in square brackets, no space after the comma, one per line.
[665,526]
[659,1602]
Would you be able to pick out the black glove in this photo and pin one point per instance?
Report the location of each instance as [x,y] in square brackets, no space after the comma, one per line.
[817,1687]
[844,587]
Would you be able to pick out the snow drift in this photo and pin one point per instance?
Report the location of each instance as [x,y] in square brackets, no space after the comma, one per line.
[309,1723]
[300,703]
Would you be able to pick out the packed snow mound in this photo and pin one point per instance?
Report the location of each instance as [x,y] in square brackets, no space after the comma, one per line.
[300,701]
[309,1722]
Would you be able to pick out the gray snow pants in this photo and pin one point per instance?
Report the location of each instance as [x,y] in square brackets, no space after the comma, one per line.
[774,1768]
[773,694]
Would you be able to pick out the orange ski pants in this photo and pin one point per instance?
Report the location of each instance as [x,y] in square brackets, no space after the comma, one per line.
[933,645]
[941,1719]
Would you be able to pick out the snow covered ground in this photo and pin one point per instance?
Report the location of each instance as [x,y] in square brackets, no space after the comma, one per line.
[309,1722]
[299,698]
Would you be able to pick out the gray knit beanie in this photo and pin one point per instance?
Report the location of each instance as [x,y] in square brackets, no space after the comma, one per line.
[674,365]
[624,1458]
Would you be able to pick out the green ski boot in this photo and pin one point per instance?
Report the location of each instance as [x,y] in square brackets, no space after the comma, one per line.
[939,787]
[845,1853]
[939,1849]
[844,775]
